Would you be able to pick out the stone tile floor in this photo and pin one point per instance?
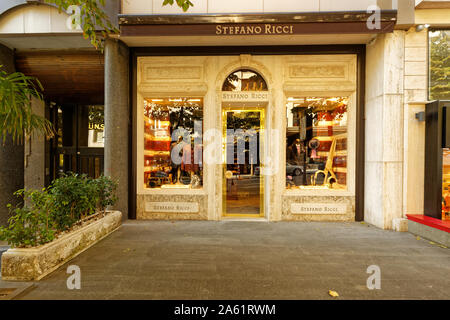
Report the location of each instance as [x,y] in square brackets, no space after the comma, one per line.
[253,260]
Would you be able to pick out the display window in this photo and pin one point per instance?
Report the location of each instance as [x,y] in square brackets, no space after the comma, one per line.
[173,149]
[316,143]
[446,184]
[244,80]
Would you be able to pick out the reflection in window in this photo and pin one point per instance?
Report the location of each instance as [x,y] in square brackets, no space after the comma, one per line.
[173,147]
[446,184]
[96,127]
[244,80]
[316,142]
[439,77]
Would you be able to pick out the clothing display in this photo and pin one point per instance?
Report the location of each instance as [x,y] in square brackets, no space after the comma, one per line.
[316,155]
[162,118]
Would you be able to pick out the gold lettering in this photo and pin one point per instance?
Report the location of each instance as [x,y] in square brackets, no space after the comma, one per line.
[267,30]
[286,29]
[292,31]
[242,30]
[250,30]
[225,30]
[219,29]
[258,30]
[279,29]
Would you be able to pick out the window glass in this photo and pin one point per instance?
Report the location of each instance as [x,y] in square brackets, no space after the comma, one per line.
[173,149]
[446,184]
[244,80]
[439,69]
[316,142]
[96,126]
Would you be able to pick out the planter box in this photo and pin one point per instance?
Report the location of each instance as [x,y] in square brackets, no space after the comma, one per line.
[31,264]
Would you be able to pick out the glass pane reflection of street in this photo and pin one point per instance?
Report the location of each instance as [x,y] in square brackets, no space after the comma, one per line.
[242,176]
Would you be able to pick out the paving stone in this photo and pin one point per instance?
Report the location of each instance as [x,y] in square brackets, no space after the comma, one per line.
[247,260]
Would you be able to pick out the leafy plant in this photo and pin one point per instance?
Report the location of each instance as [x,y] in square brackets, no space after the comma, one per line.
[106,189]
[73,197]
[47,212]
[16,115]
[31,225]
[183,4]
[94,21]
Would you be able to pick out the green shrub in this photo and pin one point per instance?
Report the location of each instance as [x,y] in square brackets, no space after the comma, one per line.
[73,197]
[106,189]
[47,212]
[31,225]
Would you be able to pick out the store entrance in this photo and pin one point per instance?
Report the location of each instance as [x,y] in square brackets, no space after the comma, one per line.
[243,185]
[78,146]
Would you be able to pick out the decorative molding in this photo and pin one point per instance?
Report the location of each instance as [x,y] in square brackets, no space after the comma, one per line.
[245,59]
[244,62]
[166,89]
[329,87]
[158,73]
[318,71]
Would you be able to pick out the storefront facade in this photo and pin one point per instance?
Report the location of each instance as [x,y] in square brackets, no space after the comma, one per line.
[277,110]
[266,89]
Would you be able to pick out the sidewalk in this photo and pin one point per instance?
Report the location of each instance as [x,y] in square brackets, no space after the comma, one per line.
[253,260]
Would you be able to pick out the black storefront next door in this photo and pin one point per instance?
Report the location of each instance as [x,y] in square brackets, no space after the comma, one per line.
[79,144]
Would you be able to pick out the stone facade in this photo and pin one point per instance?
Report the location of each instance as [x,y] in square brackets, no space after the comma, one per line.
[286,76]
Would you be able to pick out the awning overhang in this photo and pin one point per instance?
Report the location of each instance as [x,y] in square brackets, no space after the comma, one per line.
[253,29]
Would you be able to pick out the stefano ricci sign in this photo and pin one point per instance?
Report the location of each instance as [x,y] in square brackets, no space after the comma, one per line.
[246,96]
[241,29]
[318,208]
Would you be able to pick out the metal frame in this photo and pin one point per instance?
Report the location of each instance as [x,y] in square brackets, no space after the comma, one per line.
[261,145]
[359,50]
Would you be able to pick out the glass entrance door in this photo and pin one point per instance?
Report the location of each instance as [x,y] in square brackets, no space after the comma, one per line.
[243,187]
[79,145]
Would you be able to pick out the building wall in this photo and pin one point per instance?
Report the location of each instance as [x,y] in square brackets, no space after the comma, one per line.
[383,197]
[416,92]
[39,19]
[254,6]
[327,75]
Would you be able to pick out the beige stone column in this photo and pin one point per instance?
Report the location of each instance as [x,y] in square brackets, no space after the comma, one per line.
[384,130]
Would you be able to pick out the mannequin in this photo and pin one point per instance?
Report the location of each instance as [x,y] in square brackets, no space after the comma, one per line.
[176,168]
[187,161]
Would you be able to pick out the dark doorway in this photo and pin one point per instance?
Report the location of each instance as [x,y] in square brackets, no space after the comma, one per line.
[78,146]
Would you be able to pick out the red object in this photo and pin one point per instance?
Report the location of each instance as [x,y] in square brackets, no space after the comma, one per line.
[429,221]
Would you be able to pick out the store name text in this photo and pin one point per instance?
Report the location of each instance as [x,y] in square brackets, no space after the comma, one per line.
[244,96]
[255,29]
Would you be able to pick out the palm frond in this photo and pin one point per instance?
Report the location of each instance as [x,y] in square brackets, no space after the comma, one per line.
[16,115]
